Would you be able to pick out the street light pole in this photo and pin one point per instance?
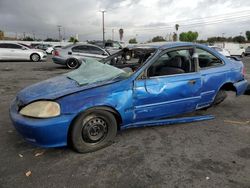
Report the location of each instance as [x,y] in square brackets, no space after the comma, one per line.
[59,31]
[103,31]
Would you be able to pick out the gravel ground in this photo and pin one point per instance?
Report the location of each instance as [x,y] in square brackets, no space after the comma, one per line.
[213,153]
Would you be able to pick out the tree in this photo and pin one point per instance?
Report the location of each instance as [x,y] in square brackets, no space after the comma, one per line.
[189,36]
[132,41]
[28,39]
[158,39]
[176,29]
[248,35]
[239,39]
[175,36]
[51,40]
[73,39]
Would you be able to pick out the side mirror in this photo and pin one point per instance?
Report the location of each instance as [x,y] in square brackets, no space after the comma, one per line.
[23,48]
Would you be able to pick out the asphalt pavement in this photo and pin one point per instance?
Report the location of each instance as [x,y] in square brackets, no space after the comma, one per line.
[213,153]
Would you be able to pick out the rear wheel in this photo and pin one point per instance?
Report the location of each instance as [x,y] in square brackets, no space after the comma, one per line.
[35,57]
[220,97]
[92,131]
[72,63]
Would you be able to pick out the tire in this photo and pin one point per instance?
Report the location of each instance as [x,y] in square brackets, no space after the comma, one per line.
[72,63]
[220,97]
[92,131]
[35,57]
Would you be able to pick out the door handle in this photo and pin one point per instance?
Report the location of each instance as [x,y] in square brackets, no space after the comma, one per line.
[192,82]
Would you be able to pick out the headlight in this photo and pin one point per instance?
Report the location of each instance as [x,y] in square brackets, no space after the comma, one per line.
[41,109]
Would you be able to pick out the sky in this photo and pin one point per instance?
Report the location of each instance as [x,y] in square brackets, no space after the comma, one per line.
[140,19]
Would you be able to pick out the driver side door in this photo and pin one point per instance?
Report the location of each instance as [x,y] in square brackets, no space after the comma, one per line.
[172,86]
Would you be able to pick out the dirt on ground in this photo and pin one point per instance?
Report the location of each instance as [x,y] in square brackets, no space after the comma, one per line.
[214,153]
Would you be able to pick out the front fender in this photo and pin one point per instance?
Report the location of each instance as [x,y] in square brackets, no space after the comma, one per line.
[119,99]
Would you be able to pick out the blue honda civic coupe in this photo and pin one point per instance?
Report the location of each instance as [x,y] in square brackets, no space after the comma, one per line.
[145,85]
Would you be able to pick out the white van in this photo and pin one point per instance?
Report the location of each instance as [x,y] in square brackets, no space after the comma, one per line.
[235,49]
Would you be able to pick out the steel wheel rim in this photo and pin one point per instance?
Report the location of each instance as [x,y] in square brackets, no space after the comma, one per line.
[94,130]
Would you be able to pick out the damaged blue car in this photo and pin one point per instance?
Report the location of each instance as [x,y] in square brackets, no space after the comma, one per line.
[139,86]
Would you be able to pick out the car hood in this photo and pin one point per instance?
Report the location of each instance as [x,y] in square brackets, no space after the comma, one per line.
[90,74]
[52,89]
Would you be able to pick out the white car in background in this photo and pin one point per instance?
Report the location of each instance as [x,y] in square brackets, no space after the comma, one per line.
[51,49]
[221,51]
[17,51]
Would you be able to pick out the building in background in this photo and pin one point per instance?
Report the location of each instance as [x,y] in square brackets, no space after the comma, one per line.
[1,35]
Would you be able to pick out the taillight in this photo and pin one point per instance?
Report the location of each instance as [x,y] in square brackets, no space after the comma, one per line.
[56,53]
[244,71]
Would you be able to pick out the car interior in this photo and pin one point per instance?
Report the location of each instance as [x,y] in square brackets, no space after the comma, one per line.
[174,62]
[206,59]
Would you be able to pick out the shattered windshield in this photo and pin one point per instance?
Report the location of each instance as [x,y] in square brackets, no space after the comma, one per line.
[92,71]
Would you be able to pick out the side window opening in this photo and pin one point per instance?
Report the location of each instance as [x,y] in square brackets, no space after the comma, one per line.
[173,62]
[207,59]
[80,49]
[95,50]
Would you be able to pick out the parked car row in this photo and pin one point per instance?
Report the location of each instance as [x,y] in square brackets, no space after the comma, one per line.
[68,55]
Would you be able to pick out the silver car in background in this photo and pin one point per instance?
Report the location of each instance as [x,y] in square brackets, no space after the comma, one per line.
[70,54]
[18,51]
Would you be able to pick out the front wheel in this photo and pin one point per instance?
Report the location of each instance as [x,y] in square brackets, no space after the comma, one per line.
[92,131]
[35,57]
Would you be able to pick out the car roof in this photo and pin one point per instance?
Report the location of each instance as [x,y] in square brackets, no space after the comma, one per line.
[162,45]
[86,44]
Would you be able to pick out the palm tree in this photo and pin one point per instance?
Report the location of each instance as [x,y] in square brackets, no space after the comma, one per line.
[177,28]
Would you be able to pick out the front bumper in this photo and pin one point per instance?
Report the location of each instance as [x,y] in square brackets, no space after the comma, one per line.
[241,87]
[51,132]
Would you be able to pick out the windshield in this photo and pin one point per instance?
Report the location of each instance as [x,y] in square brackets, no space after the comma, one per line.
[25,45]
[67,46]
[92,71]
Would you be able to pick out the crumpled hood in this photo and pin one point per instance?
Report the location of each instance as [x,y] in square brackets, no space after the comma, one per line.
[51,89]
[90,74]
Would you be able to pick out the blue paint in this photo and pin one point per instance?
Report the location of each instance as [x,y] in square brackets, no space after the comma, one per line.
[168,121]
[139,102]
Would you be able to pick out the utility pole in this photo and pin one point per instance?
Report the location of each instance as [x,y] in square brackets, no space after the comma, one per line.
[24,35]
[113,32]
[34,35]
[63,33]
[223,34]
[59,31]
[103,31]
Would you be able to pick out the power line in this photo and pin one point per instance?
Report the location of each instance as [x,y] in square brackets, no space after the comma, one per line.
[198,23]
